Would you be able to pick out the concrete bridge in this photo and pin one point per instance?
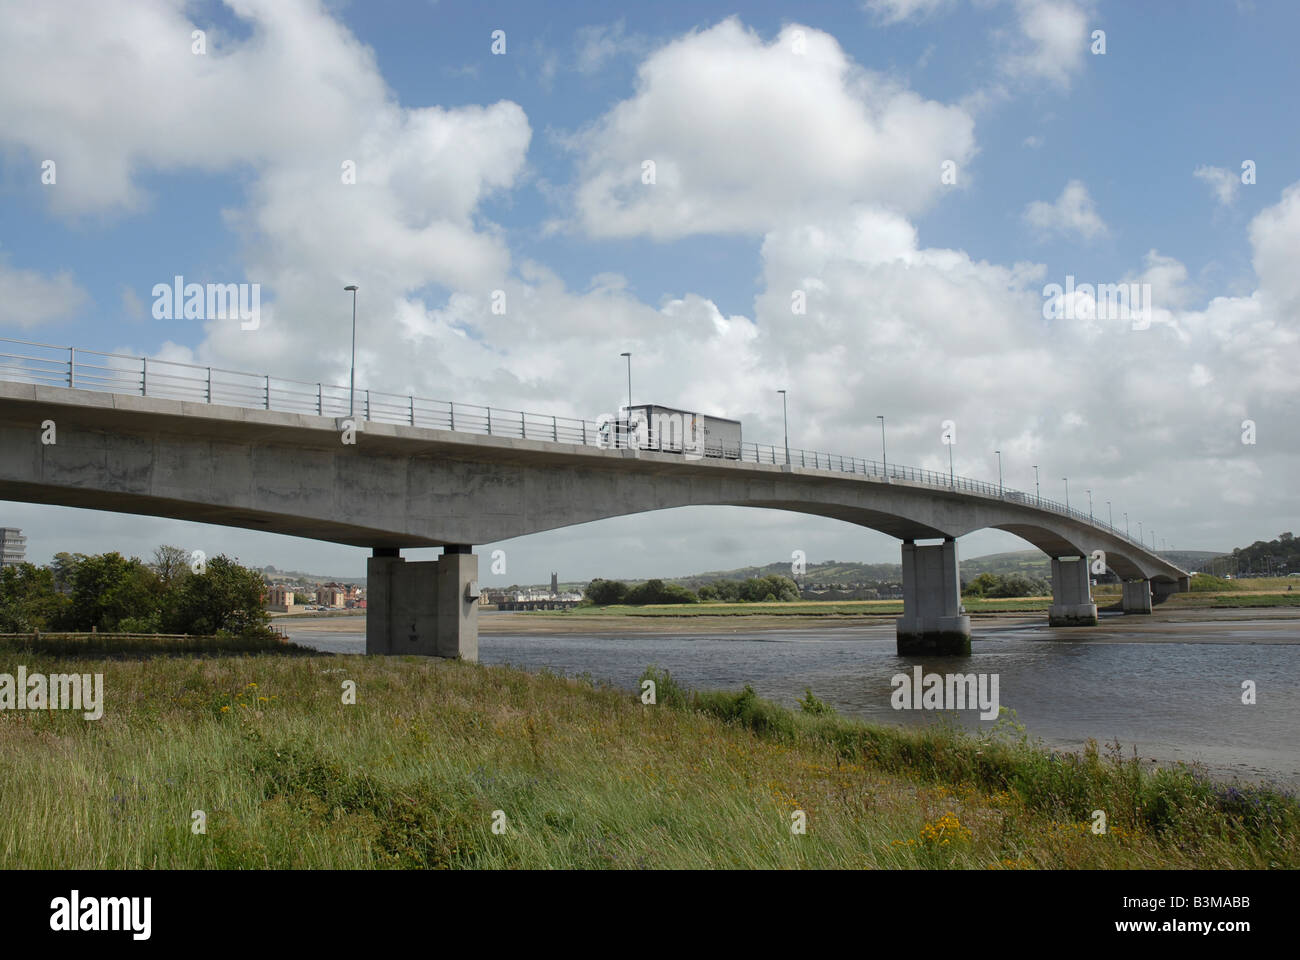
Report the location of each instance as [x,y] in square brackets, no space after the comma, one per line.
[95,435]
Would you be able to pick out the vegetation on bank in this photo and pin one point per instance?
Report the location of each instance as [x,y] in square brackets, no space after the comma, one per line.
[174,594]
[1005,586]
[432,753]
[770,589]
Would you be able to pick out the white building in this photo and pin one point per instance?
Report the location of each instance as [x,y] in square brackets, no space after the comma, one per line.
[13,546]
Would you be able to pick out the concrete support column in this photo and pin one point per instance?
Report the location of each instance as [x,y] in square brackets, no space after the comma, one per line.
[1137,596]
[932,620]
[1072,604]
[429,608]
[458,592]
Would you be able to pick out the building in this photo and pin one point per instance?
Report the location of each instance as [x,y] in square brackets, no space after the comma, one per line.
[331,595]
[13,546]
[279,599]
[555,584]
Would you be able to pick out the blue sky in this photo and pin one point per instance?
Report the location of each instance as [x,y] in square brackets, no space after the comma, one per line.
[222,168]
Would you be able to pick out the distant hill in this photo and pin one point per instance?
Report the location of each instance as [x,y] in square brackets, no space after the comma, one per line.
[297,576]
[837,573]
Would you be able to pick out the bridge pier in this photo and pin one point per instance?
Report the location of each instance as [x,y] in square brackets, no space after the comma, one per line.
[932,620]
[1072,604]
[429,608]
[1164,589]
[1137,596]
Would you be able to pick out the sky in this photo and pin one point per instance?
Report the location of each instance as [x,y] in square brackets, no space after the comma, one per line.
[878,207]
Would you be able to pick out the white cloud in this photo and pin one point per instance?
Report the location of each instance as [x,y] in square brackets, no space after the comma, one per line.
[896,11]
[1052,44]
[1275,237]
[1223,183]
[747,135]
[29,298]
[598,45]
[1073,213]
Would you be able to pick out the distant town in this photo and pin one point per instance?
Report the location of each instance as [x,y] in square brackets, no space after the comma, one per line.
[293,592]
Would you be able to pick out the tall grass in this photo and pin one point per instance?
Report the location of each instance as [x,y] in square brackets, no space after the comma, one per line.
[433,753]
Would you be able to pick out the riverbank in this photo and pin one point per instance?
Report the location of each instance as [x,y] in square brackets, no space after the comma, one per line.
[975,606]
[433,753]
[1164,625]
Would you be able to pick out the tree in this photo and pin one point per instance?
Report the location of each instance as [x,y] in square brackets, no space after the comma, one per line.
[63,566]
[604,593]
[107,589]
[656,591]
[225,596]
[170,564]
[1006,585]
[28,599]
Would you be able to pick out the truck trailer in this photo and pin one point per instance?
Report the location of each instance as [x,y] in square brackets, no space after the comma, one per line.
[651,426]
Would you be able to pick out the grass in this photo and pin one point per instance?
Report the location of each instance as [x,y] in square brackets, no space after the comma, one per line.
[412,775]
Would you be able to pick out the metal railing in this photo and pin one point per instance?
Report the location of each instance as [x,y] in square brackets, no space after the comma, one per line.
[57,366]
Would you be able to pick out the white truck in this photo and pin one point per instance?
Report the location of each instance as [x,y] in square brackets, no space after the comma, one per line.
[650,426]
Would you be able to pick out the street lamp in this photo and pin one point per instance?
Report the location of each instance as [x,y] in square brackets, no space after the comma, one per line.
[1110,516]
[1067,494]
[1141,539]
[884,457]
[1126,533]
[951,482]
[999,453]
[1090,506]
[627,424]
[352,376]
[785,419]
[1038,496]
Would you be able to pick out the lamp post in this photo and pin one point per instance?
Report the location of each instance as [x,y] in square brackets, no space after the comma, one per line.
[1141,539]
[627,423]
[951,481]
[1038,495]
[1126,533]
[1090,520]
[1067,494]
[1110,516]
[999,453]
[884,457]
[352,375]
[785,420]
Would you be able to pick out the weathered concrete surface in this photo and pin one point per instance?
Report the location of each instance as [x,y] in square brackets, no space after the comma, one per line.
[1072,604]
[404,486]
[932,620]
[1137,596]
[422,608]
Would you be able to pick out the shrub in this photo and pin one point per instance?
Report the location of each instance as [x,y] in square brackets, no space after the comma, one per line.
[811,705]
